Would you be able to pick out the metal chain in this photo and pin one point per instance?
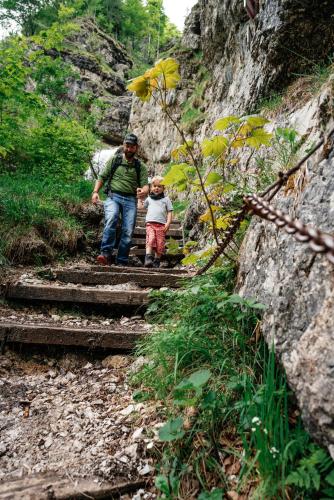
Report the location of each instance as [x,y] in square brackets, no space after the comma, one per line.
[227,238]
[317,240]
[270,192]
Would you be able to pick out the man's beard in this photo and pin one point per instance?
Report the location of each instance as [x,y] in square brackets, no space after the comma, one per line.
[129,155]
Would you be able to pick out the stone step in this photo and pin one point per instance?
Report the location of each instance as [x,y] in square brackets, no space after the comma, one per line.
[76,294]
[175,233]
[146,280]
[69,336]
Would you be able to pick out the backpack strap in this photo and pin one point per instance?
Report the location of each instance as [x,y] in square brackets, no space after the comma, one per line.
[137,167]
[116,162]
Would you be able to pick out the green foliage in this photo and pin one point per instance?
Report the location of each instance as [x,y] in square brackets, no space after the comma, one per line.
[35,204]
[215,380]
[210,167]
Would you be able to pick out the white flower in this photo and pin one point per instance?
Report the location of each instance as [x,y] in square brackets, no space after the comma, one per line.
[274,451]
[265,431]
[253,429]
[256,420]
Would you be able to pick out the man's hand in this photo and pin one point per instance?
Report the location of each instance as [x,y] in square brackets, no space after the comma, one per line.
[141,193]
[95,198]
[95,194]
[166,227]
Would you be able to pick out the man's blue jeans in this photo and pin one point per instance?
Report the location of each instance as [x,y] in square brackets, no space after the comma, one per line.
[115,205]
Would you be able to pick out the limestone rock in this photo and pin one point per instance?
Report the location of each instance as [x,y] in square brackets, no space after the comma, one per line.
[297,287]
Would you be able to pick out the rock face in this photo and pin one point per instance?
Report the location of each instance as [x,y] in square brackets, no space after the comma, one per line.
[103,65]
[231,63]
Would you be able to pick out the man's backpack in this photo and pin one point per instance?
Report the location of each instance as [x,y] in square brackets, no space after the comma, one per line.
[116,162]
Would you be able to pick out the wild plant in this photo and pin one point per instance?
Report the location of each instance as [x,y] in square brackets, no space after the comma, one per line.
[225,399]
[222,168]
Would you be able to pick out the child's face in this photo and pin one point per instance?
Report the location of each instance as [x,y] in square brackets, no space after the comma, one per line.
[157,188]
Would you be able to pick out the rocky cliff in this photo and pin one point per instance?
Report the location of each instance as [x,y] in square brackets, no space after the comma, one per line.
[229,64]
[103,66]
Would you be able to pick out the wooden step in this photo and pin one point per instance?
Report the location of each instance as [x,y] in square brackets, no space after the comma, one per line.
[130,269]
[148,280]
[175,233]
[44,487]
[78,294]
[142,251]
[69,336]
[140,221]
[142,242]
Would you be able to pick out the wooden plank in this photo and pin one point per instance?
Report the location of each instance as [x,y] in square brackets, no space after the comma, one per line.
[142,251]
[148,280]
[80,294]
[129,269]
[44,487]
[138,241]
[69,336]
[140,221]
[175,233]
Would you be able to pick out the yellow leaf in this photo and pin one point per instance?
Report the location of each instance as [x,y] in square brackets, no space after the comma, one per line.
[256,121]
[238,143]
[214,146]
[224,123]
[259,138]
[168,69]
[212,178]
[245,129]
[206,217]
[141,87]
[190,259]
[222,222]
[176,175]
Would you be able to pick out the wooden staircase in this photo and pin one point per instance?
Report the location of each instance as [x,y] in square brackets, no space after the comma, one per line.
[88,286]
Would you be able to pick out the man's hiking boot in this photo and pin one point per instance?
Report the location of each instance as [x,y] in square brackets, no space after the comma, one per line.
[156,263]
[148,260]
[104,260]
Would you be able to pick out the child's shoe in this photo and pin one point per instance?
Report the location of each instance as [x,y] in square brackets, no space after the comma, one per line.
[148,260]
[156,263]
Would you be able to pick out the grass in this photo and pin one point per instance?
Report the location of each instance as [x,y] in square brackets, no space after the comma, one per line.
[35,216]
[231,421]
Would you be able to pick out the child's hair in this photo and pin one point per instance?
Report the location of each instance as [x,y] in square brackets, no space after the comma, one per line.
[157,178]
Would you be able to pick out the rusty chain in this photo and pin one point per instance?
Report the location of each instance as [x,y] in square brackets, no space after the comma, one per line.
[318,241]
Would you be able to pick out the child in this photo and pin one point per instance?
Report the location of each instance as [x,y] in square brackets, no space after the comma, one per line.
[158,219]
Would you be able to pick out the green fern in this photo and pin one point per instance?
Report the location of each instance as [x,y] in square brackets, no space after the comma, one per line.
[308,474]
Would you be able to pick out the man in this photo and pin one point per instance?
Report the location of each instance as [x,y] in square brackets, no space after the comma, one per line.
[126,179]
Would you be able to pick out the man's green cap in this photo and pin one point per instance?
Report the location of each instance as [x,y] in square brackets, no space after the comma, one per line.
[131,139]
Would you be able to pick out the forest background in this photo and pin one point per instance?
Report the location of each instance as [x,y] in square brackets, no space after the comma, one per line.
[47,139]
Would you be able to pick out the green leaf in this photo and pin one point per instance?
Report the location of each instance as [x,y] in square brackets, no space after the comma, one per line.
[216,494]
[224,123]
[161,483]
[330,478]
[212,178]
[199,378]
[176,175]
[259,138]
[172,430]
[190,259]
[256,121]
[214,146]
